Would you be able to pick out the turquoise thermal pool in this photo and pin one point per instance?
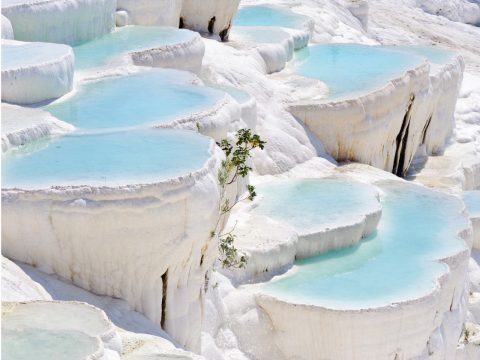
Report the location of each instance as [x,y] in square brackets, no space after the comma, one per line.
[112,47]
[349,69]
[397,263]
[434,55]
[17,56]
[268,15]
[148,98]
[113,159]
[259,35]
[472,202]
[313,205]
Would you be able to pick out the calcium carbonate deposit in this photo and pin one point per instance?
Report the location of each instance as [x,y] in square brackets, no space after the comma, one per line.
[240,179]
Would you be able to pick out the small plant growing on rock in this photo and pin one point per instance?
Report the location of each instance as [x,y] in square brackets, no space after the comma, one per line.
[234,166]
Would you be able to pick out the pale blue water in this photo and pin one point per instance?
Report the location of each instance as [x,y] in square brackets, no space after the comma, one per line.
[118,158]
[112,47]
[26,344]
[259,35]
[144,99]
[433,54]
[397,263]
[268,15]
[312,204]
[239,95]
[350,69]
[28,54]
[472,202]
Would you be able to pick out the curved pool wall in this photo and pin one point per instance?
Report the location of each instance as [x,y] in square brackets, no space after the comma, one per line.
[151,98]
[387,297]
[274,45]
[7,29]
[144,46]
[472,202]
[57,330]
[22,125]
[33,71]
[114,221]
[385,125]
[60,21]
[248,105]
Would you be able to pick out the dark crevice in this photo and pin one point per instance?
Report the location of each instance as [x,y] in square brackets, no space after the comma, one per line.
[402,141]
[181,24]
[211,25]
[224,33]
[164,299]
[425,129]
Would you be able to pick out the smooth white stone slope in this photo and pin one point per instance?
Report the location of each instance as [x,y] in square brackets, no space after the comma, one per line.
[18,286]
[60,21]
[35,72]
[21,125]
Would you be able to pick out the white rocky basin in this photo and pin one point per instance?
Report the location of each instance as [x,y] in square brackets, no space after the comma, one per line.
[57,330]
[387,297]
[21,125]
[383,104]
[34,72]
[145,46]
[120,214]
[472,202]
[152,98]
[60,21]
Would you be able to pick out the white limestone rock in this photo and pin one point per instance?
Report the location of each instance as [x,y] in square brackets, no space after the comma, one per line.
[18,286]
[33,72]
[209,16]
[21,125]
[149,13]
[60,21]
[359,9]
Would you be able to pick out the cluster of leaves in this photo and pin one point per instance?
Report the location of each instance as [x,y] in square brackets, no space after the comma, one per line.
[235,165]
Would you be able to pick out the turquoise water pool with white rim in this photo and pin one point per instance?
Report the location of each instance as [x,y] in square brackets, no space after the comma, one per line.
[351,69]
[269,15]
[112,48]
[399,262]
[105,159]
[149,98]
